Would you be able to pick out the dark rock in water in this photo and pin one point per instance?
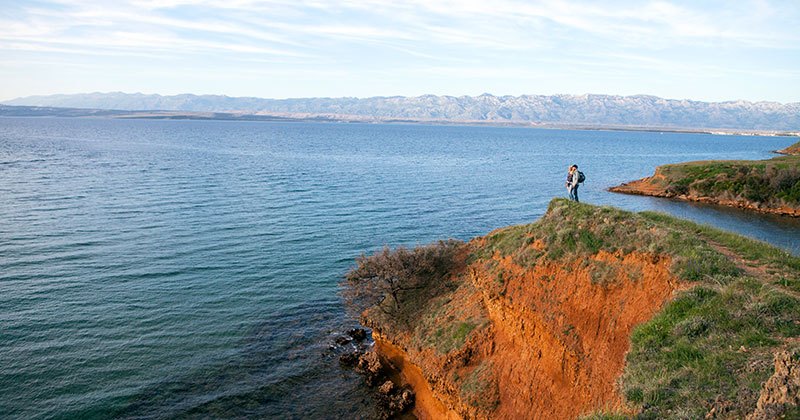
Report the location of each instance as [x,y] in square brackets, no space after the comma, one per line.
[358,334]
[386,388]
[367,363]
[350,359]
[370,365]
[393,400]
[342,340]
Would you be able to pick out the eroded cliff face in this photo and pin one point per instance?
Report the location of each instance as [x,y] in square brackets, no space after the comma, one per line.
[560,338]
[576,313]
[547,338]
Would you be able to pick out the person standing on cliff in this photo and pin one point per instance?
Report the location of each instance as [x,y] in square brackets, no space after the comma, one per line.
[573,180]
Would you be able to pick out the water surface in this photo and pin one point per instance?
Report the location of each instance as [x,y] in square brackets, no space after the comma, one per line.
[159,269]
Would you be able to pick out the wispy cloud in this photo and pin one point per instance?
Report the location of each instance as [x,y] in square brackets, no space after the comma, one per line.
[473,40]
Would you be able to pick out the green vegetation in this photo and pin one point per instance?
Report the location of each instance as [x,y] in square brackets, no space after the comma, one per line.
[479,388]
[775,181]
[710,347]
[715,341]
[574,232]
[709,344]
[450,336]
[414,292]
[606,415]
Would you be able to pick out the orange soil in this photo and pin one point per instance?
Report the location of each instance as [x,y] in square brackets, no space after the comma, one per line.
[563,341]
[426,405]
[652,186]
[556,344]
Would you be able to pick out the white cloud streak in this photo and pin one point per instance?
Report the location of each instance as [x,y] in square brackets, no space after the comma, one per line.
[477,38]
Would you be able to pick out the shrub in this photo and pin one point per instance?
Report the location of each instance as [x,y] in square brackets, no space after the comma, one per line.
[769,181]
[398,282]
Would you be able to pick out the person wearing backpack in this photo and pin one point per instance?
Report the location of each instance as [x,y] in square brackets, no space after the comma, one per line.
[574,179]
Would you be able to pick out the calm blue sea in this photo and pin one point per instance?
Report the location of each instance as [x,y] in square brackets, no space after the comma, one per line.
[161,269]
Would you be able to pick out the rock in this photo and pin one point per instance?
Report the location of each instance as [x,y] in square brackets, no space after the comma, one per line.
[369,364]
[395,401]
[781,389]
[386,388]
[407,397]
[358,334]
[349,359]
[342,340]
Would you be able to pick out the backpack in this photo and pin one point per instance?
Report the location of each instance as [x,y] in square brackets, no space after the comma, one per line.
[581,177]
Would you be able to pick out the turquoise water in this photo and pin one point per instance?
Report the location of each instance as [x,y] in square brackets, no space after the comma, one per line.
[159,269]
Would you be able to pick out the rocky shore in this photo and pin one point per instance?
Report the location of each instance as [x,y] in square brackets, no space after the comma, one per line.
[392,395]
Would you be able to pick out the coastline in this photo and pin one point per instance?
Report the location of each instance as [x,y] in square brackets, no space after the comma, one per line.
[426,404]
[644,188]
[765,186]
[791,150]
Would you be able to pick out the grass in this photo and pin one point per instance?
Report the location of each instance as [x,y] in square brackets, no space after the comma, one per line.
[606,415]
[574,231]
[763,254]
[712,344]
[714,341]
[451,336]
[775,181]
[479,388]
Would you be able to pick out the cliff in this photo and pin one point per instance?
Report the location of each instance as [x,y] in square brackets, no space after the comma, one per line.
[768,186]
[588,311]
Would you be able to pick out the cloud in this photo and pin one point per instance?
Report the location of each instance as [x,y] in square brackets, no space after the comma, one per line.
[476,38]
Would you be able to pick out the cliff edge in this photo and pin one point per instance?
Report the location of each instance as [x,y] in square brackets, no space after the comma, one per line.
[590,311]
[768,186]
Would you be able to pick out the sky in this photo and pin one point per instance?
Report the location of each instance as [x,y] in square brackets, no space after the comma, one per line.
[700,50]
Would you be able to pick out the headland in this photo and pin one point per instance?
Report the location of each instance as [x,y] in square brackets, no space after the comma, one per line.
[589,312]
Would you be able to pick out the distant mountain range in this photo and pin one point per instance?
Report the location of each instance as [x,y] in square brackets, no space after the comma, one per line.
[587,110]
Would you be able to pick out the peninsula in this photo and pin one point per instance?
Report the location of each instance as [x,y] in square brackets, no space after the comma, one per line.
[590,311]
[791,150]
[767,186]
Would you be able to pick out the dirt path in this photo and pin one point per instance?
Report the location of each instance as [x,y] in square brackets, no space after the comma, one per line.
[754,269]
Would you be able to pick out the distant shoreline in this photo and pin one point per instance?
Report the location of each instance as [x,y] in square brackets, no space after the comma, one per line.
[41,112]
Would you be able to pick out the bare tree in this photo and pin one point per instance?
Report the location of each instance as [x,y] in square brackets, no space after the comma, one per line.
[388,277]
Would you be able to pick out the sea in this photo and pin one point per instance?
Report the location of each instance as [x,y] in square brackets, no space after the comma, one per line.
[154,269]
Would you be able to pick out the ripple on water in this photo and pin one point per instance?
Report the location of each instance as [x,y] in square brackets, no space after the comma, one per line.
[161,269]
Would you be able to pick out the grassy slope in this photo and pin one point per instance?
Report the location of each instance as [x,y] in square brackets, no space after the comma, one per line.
[775,181]
[714,341]
[711,346]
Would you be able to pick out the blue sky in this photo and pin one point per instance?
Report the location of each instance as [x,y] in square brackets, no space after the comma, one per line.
[702,50]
